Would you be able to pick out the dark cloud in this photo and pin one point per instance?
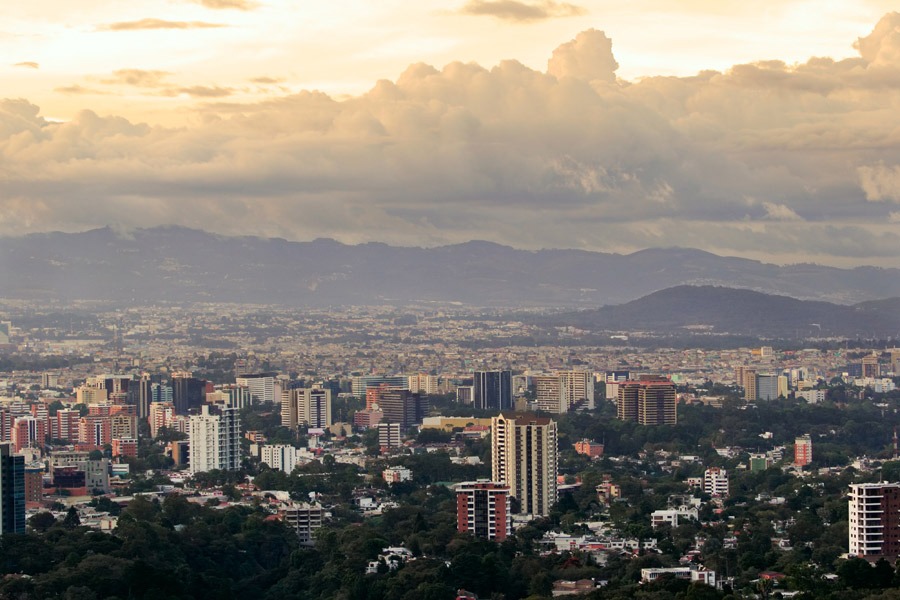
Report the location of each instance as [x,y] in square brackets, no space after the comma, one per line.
[513,10]
[157,24]
[28,65]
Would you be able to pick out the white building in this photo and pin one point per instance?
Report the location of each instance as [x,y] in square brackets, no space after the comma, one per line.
[673,516]
[874,523]
[306,406]
[811,396]
[715,482]
[694,574]
[262,387]
[423,384]
[280,457]
[563,391]
[397,474]
[215,440]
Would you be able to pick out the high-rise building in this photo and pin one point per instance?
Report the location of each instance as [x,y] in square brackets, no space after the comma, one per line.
[215,440]
[895,361]
[870,367]
[261,386]
[564,391]
[715,482]
[648,401]
[874,520]
[359,385]
[403,407]
[144,396]
[280,457]
[746,378]
[493,390]
[388,435]
[482,508]
[524,457]
[306,406]
[767,386]
[187,392]
[422,384]
[28,432]
[12,491]
[803,450]
[161,415]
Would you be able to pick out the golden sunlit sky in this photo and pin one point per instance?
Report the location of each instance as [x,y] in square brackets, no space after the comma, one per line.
[765,129]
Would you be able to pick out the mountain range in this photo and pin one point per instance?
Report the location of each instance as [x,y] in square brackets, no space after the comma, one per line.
[180,264]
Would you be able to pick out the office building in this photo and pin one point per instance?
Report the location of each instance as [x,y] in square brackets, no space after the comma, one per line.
[465,394]
[870,368]
[483,509]
[187,392]
[261,386]
[143,396]
[648,401]
[715,482]
[803,450]
[359,385]
[874,520]
[306,406]
[492,390]
[524,457]
[403,407]
[215,440]
[161,415]
[12,491]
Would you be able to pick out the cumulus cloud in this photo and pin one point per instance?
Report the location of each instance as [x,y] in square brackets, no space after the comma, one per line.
[28,64]
[570,156]
[157,24]
[589,56]
[513,10]
[226,4]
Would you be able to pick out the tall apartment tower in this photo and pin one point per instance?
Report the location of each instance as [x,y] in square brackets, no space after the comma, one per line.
[261,386]
[524,457]
[493,390]
[12,491]
[649,402]
[306,406]
[403,407]
[563,391]
[715,482]
[143,396]
[482,508]
[803,450]
[215,440]
[874,527]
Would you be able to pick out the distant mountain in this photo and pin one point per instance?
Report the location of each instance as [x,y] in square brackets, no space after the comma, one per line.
[717,310]
[174,263]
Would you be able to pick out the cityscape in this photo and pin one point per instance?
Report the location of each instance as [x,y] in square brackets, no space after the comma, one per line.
[456,299]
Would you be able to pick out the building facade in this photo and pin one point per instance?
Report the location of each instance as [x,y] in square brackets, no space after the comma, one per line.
[215,441]
[524,457]
[874,520]
[483,509]
[492,390]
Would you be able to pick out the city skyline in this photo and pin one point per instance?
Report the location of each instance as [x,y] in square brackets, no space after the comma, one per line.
[758,132]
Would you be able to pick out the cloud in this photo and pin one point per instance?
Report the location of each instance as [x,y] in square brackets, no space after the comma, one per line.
[137,77]
[880,183]
[513,10]
[157,24]
[227,4]
[780,212]
[198,91]
[567,157]
[28,65]
[78,89]
[267,80]
[589,56]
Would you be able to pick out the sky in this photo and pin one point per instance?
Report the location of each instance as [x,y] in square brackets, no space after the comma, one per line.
[768,130]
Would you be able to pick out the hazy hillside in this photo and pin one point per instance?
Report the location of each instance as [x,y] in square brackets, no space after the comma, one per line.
[707,309]
[173,263]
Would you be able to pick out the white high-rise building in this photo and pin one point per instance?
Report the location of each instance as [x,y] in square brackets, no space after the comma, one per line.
[309,406]
[874,520]
[563,391]
[524,457]
[280,457]
[262,387]
[423,384]
[215,440]
[715,482]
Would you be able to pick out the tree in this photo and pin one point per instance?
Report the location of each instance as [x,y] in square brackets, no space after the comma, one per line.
[72,519]
[42,521]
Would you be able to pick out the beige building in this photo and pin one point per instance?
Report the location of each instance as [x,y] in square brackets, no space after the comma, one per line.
[563,391]
[524,457]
